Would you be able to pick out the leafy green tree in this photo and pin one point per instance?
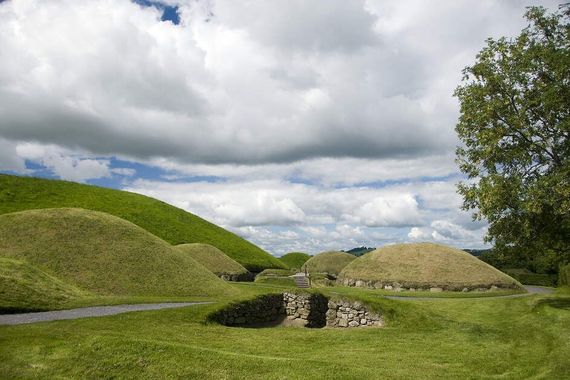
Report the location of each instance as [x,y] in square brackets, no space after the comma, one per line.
[514,125]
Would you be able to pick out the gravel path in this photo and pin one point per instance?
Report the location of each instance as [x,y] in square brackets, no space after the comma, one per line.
[84,312]
[530,289]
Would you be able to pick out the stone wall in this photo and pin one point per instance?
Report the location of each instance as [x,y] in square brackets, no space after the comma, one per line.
[305,309]
[351,314]
[263,309]
[397,287]
[236,276]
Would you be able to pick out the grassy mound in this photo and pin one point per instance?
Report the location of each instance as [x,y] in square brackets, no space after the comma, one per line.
[169,223]
[104,254]
[26,288]
[214,260]
[329,262]
[424,265]
[295,259]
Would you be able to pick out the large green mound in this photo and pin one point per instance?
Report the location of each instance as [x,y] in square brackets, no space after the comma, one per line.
[331,262]
[26,288]
[423,265]
[295,259]
[103,254]
[169,223]
[215,261]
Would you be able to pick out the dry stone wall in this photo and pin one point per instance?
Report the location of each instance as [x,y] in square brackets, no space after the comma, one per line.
[397,287]
[236,276]
[308,310]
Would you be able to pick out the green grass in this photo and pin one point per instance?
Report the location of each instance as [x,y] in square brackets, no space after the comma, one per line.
[276,277]
[26,288]
[426,265]
[171,224]
[212,258]
[295,260]
[449,339]
[103,254]
[329,262]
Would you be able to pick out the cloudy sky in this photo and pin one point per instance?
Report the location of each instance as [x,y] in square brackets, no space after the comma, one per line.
[298,124]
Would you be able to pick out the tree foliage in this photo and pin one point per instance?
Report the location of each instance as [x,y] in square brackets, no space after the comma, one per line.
[514,125]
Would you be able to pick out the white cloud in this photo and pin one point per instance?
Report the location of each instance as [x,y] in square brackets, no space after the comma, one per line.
[327,125]
[9,159]
[398,211]
[127,172]
[65,164]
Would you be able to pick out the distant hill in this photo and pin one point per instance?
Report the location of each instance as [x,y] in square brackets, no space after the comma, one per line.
[102,254]
[359,251]
[171,224]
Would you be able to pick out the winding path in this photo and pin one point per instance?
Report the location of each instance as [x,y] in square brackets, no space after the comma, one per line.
[85,312]
[530,289]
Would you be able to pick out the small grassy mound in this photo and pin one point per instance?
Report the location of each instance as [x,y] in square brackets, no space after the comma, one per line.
[103,254]
[169,223]
[26,288]
[331,262]
[295,259]
[214,260]
[276,277]
[425,265]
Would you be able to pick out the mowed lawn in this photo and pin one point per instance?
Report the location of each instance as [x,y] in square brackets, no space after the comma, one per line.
[446,338]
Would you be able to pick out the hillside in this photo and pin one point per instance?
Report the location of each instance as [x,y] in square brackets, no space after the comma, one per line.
[331,262]
[295,259]
[215,261]
[26,288]
[424,265]
[169,223]
[103,254]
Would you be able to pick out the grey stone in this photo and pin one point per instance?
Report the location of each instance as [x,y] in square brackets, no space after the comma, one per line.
[343,322]
[436,290]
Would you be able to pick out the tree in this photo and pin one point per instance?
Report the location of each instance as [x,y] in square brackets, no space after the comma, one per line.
[514,126]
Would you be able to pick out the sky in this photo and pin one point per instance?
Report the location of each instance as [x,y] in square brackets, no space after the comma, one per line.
[298,125]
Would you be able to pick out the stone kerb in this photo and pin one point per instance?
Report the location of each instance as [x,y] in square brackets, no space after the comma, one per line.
[308,310]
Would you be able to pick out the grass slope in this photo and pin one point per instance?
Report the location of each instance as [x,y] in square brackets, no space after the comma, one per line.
[331,262]
[295,259]
[426,265]
[212,258]
[521,338]
[26,288]
[104,254]
[171,224]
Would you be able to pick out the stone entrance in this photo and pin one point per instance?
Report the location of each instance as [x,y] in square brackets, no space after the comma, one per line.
[312,310]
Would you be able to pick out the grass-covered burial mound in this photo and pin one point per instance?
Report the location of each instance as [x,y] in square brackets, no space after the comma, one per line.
[295,259]
[216,261]
[423,266]
[331,262]
[103,254]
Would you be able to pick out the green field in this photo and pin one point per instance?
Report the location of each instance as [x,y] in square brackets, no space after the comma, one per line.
[169,223]
[503,338]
